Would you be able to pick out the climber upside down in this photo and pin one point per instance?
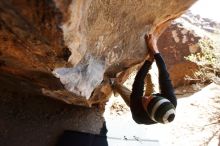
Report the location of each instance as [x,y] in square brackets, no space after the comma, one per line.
[150,108]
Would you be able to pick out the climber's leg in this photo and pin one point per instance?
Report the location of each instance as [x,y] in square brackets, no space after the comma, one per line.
[149,87]
[123,91]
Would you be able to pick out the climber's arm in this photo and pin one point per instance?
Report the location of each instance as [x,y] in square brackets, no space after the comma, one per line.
[138,113]
[166,87]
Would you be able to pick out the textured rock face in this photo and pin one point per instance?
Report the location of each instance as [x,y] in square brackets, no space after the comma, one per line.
[30,45]
[175,43]
[180,39]
[81,42]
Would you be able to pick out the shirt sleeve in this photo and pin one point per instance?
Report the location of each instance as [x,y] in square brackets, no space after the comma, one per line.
[166,87]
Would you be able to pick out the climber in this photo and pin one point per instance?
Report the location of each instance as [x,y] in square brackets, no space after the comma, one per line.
[150,108]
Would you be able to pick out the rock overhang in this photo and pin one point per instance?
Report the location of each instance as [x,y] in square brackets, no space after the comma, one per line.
[104,38]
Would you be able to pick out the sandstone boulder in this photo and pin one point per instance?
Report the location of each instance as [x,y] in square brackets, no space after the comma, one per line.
[176,43]
[180,39]
[68,49]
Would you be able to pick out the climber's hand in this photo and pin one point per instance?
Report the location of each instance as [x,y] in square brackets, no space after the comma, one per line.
[150,56]
[151,42]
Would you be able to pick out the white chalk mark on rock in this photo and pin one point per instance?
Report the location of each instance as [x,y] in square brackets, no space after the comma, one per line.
[83,78]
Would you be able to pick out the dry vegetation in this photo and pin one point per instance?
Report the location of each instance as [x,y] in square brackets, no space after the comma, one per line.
[208,61]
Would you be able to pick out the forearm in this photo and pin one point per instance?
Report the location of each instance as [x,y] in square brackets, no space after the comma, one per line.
[165,83]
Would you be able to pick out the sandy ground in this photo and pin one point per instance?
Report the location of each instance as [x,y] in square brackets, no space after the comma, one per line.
[197,122]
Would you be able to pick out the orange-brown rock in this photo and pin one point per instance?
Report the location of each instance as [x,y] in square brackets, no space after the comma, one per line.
[175,43]
[68,49]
